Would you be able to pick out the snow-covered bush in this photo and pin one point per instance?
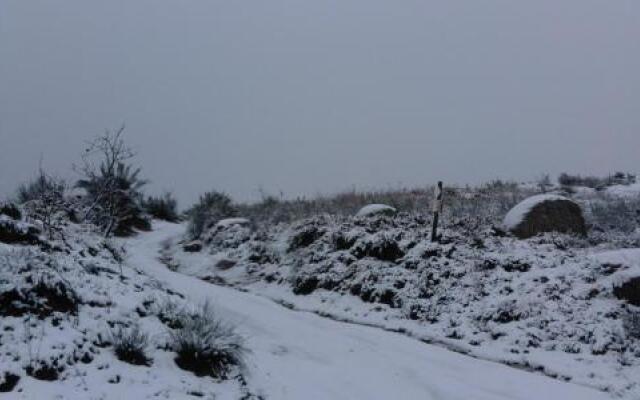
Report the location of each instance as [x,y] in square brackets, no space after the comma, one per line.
[615,214]
[594,182]
[130,345]
[42,186]
[114,201]
[206,345]
[210,208]
[169,311]
[44,203]
[36,287]
[631,323]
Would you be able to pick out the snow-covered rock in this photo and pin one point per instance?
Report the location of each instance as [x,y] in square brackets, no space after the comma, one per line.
[544,213]
[227,222]
[376,209]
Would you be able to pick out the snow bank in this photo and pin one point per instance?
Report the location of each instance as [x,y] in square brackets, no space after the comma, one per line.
[626,257]
[374,209]
[518,213]
[625,190]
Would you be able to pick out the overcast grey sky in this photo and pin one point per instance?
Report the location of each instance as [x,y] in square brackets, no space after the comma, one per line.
[317,96]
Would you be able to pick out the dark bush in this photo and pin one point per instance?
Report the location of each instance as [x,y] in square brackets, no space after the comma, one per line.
[10,210]
[631,324]
[38,188]
[41,299]
[343,241]
[305,237]
[207,346]
[618,178]
[113,185]
[210,208]
[9,382]
[11,233]
[381,247]
[304,285]
[163,207]
[629,291]
[44,370]
[130,345]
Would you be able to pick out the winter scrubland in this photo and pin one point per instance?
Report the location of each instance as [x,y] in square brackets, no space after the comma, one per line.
[560,304]
[79,319]
[106,293]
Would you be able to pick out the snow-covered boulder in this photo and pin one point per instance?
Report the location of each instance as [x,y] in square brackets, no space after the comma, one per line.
[545,213]
[225,223]
[376,209]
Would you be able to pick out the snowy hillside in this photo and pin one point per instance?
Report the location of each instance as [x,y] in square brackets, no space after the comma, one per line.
[547,304]
[326,307]
[67,307]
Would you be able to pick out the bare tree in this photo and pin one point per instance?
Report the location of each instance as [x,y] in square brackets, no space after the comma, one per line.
[111,182]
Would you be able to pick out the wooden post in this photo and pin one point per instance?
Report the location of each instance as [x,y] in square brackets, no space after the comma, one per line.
[437,209]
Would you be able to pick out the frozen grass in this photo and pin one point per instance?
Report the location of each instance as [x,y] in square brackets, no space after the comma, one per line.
[206,345]
[130,345]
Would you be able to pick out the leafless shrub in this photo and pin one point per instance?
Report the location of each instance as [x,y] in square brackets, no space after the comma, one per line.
[43,201]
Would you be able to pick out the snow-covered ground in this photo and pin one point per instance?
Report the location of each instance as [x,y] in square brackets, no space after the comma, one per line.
[547,304]
[332,307]
[297,355]
[60,303]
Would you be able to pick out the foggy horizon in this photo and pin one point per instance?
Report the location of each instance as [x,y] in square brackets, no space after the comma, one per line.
[318,98]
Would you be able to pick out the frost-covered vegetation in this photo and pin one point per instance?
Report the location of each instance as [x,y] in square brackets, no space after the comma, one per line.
[548,304]
[75,319]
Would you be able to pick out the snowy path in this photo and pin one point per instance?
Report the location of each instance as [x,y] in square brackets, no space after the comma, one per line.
[303,356]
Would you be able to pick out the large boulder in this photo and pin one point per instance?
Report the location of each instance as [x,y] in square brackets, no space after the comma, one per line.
[545,213]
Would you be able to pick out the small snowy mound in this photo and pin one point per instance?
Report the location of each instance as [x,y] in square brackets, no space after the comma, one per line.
[376,209]
[544,213]
[225,223]
[627,191]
